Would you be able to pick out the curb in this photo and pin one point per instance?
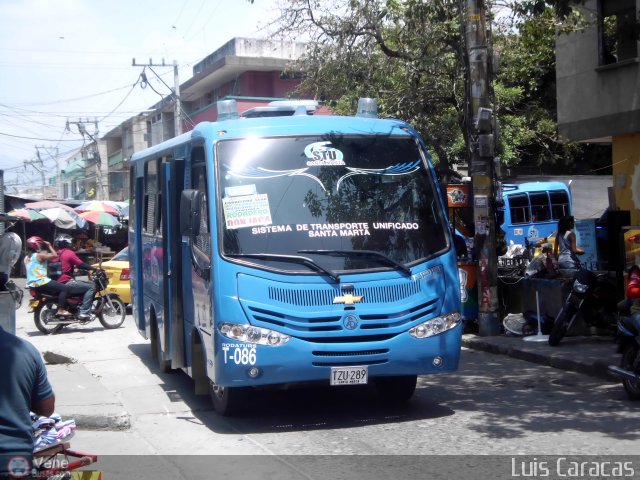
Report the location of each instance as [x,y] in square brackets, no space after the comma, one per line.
[80,396]
[567,359]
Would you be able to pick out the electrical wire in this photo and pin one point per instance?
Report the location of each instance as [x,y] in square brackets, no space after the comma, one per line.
[121,102]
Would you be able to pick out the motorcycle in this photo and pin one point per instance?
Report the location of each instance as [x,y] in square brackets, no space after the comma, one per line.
[628,337]
[109,309]
[594,297]
[629,345]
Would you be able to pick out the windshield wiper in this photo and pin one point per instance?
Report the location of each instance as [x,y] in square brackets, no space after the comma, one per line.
[288,258]
[368,254]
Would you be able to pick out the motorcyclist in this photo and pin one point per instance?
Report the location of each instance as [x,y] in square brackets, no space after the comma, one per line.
[69,260]
[36,268]
[631,304]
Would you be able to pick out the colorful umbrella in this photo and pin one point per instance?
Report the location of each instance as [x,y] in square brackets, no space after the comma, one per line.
[26,214]
[43,204]
[98,206]
[102,219]
[64,218]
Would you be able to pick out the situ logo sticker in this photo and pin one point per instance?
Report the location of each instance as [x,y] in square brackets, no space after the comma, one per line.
[321,154]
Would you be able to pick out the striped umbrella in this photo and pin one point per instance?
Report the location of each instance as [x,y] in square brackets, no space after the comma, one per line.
[97,206]
[43,204]
[26,214]
[101,219]
[63,218]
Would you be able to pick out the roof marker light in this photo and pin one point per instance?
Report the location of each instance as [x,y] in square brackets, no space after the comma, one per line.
[367,107]
[227,110]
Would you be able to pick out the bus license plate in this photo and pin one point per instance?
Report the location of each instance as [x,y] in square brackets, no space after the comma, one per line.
[349,375]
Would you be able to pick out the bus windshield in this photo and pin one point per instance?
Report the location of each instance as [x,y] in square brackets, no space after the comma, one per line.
[328,203]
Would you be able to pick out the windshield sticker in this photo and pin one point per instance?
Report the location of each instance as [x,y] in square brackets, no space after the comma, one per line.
[246,211]
[260,172]
[321,155]
[240,190]
[316,230]
[393,170]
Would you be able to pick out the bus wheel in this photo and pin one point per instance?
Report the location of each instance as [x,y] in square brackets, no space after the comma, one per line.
[228,401]
[164,366]
[396,390]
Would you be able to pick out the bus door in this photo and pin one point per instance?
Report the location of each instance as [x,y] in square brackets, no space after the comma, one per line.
[197,275]
[135,246]
[173,331]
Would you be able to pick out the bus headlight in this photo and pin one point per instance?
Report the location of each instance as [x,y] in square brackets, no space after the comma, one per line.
[435,325]
[251,334]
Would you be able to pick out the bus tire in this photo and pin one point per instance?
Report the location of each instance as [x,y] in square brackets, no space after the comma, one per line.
[164,366]
[396,390]
[228,401]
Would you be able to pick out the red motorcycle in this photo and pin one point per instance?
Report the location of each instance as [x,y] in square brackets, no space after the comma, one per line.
[107,308]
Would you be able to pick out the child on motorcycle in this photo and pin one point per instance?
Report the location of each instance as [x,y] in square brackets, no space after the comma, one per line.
[36,268]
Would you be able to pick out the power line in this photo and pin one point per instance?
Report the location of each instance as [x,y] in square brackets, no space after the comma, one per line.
[36,138]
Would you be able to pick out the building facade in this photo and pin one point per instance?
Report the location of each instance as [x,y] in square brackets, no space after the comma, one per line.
[251,71]
[598,92]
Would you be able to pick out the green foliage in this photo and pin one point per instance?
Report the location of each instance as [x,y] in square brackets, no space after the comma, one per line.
[411,56]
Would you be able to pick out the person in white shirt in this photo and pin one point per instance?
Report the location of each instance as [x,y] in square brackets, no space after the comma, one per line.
[10,248]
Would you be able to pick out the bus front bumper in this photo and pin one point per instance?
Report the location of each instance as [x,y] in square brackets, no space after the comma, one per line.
[239,364]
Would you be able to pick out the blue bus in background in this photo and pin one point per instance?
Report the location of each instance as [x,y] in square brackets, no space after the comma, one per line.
[532,210]
[274,250]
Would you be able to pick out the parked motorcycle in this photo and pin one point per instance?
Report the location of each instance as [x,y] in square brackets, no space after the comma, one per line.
[107,308]
[629,345]
[593,296]
[628,338]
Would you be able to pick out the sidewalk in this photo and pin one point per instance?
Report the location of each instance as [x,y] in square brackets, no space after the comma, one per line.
[589,355]
[80,396]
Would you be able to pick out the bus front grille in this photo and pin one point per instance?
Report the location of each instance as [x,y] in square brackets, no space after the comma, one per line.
[350,354]
[322,297]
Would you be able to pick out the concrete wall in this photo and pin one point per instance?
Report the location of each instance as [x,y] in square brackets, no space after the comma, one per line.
[250,47]
[594,101]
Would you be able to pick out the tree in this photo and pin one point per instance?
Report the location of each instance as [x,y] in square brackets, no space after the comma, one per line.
[406,54]
[410,56]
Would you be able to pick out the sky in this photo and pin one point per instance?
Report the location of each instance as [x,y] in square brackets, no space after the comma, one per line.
[71,60]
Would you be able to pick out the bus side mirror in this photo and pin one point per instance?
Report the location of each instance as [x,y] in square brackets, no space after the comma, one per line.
[190,205]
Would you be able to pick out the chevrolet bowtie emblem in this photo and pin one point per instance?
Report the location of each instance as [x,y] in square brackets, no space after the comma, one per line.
[348,299]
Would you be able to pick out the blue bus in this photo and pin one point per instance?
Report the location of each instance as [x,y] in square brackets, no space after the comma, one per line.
[287,249]
[532,210]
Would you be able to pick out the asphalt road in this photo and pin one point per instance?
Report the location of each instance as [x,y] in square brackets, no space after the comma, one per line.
[494,405]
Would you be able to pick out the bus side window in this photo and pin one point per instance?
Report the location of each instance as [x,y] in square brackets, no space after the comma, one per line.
[202,241]
[150,192]
[519,208]
[559,204]
[540,211]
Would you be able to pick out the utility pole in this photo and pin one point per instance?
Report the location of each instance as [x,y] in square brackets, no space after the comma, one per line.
[481,163]
[55,159]
[39,169]
[177,116]
[177,107]
[101,187]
